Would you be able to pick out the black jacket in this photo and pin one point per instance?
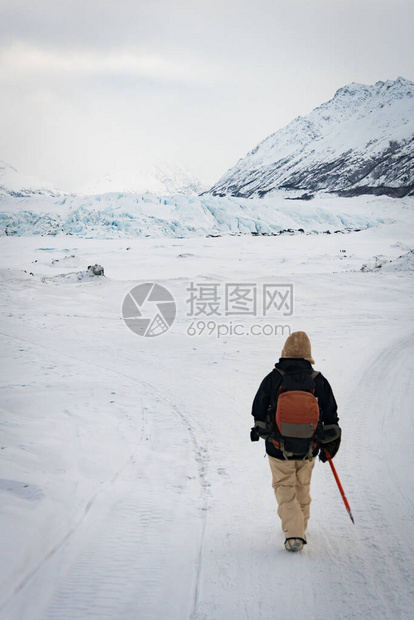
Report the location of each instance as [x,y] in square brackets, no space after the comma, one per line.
[268,392]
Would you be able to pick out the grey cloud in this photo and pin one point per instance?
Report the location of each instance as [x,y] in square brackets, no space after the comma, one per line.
[235,32]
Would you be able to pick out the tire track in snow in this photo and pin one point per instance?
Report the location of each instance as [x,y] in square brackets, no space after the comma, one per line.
[202,458]
[125,571]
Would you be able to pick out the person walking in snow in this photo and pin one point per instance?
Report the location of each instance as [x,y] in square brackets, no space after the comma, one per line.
[296,426]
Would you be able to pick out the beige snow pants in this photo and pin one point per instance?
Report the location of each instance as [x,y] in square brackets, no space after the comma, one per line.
[291,484]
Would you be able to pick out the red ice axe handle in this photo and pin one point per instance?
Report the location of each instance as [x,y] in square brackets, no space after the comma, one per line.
[338,482]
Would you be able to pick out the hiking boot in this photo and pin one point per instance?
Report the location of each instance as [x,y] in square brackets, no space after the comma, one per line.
[293,544]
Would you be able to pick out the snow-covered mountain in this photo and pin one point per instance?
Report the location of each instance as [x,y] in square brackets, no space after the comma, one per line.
[359,142]
[12,183]
[162,178]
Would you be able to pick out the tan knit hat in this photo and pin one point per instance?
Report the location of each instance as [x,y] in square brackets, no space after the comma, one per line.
[298,345]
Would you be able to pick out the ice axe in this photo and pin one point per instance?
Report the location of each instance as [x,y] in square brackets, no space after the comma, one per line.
[338,482]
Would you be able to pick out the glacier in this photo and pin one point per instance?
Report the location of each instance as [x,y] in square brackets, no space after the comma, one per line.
[149,215]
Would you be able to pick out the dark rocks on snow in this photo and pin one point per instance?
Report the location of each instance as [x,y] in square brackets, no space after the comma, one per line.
[96,270]
[303,197]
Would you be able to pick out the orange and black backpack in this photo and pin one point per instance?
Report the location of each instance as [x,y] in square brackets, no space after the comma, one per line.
[296,419]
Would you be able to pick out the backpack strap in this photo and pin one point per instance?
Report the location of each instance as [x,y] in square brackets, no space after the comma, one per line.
[320,424]
[314,374]
[282,374]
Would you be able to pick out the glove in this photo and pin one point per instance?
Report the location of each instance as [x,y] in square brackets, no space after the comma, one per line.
[261,428]
[330,439]
[253,434]
[332,449]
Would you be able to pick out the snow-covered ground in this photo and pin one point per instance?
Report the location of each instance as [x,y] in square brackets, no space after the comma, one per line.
[129,487]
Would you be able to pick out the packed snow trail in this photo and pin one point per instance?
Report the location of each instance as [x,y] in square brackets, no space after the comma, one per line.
[147,497]
[125,569]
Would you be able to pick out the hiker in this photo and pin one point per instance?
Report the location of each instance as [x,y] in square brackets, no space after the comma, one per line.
[293,441]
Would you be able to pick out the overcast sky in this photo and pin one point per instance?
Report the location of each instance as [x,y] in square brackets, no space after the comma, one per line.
[94,86]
